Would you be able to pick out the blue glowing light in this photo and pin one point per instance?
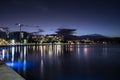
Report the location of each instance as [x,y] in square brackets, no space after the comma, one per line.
[15,64]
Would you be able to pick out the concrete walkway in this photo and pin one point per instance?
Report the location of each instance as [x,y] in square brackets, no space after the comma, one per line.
[7,73]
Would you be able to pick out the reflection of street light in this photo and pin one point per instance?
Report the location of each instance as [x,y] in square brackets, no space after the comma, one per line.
[3,54]
[13,53]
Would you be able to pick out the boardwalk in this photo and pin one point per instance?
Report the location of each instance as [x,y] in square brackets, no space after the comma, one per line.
[7,73]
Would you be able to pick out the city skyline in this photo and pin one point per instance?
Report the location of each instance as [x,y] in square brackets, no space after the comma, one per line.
[86,16]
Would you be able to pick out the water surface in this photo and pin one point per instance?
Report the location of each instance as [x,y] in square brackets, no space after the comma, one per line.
[64,62]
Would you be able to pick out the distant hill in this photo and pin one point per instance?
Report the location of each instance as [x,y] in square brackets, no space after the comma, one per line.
[93,36]
[101,38]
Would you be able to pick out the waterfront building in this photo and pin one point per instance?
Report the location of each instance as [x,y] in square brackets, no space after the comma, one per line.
[54,38]
[45,38]
[19,37]
[3,35]
[36,38]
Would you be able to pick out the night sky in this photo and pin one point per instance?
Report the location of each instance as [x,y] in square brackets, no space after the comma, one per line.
[86,16]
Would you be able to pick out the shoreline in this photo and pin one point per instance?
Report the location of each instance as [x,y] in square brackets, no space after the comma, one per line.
[6,73]
[32,44]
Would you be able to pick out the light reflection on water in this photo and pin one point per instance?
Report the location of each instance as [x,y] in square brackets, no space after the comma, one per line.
[61,61]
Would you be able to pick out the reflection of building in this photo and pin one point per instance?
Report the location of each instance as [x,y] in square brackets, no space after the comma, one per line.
[19,36]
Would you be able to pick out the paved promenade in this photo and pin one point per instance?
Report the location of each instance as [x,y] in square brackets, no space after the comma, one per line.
[7,73]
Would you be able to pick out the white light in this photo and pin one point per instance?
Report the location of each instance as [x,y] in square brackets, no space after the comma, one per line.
[13,41]
[3,52]
[25,41]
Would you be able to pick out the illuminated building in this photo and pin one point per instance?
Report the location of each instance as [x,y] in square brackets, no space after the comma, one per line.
[54,38]
[45,38]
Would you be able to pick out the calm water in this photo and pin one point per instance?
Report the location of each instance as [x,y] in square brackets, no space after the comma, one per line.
[64,62]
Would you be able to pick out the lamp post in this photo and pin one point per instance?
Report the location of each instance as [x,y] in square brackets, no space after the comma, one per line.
[21,34]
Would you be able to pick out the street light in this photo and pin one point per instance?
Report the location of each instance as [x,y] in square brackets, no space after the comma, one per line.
[20,25]
[21,34]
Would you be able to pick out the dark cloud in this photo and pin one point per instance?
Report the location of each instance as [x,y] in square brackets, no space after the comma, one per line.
[65,31]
